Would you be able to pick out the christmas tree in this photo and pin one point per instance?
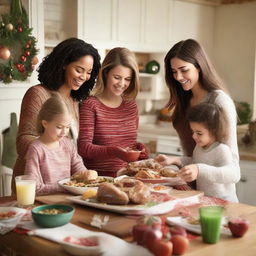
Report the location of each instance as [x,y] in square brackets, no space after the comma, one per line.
[17,45]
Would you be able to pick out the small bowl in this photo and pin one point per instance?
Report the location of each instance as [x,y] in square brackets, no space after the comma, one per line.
[11,214]
[48,220]
[76,249]
[132,155]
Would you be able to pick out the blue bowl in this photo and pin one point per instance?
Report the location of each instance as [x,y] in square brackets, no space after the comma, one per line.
[49,220]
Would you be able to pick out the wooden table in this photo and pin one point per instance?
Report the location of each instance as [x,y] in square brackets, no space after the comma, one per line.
[32,245]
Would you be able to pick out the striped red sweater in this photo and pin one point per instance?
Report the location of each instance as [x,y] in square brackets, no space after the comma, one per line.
[102,126]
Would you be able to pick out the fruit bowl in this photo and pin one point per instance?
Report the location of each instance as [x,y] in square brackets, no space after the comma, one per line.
[50,216]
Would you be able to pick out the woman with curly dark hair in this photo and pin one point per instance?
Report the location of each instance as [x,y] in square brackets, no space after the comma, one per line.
[70,70]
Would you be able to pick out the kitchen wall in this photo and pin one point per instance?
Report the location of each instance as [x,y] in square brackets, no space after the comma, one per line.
[234,47]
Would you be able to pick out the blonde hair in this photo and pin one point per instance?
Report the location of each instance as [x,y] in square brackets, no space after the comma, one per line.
[118,56]
[52,107]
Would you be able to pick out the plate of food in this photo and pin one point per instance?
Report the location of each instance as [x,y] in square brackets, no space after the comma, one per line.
[193,224]
[151,171]
[79,187]
[131,196]
[11,214]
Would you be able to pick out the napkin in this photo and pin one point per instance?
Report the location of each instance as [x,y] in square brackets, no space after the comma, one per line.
[7,225]
[109,244]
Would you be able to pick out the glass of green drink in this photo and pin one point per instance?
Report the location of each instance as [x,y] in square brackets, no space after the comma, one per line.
[210,220]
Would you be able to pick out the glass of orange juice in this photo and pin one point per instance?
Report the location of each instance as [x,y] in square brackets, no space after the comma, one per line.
[25,190]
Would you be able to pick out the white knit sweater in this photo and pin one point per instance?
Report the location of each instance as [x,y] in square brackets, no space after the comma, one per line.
[218,173]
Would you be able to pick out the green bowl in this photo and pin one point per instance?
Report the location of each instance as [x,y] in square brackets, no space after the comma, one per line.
[52,220]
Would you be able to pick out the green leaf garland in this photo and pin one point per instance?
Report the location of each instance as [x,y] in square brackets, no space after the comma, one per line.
[16,36]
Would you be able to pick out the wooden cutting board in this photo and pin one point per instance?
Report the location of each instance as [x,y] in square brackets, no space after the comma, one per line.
[118,224]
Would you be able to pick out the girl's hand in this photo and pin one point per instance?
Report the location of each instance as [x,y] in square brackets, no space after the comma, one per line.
[189,172]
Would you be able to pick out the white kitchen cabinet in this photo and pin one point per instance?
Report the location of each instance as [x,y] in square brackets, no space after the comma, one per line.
[246,186]
[158,23]
[141,25]
[95,20]
[129,21]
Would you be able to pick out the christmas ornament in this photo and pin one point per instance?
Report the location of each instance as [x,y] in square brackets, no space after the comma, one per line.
[152,67]
[9,27]
[17,45]
[4,53]
[35,60]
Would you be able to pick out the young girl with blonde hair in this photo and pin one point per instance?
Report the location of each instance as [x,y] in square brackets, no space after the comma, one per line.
[53,156]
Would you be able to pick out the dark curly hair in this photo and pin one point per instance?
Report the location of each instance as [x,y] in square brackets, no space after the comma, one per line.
[51,70]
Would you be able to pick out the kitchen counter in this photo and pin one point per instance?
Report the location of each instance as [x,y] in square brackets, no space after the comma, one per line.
[247,152]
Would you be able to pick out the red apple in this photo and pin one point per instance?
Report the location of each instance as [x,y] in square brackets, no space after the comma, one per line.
[180,244]
[138,232]
[177,230]
[238,226]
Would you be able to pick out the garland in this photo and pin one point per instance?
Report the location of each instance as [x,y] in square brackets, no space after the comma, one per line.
[17,45]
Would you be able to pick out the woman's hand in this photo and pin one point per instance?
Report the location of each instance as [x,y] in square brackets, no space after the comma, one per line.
[189,172]
[167,160]
[163,160]
[144,151]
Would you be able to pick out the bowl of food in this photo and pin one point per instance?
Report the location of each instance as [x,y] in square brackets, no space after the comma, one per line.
[52,215]
[81,245]
[132,155]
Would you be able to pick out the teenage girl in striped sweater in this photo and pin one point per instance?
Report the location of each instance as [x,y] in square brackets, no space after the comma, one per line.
[109,118]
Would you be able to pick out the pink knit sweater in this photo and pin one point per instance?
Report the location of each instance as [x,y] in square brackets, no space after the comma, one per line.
[48,166]
[102,126]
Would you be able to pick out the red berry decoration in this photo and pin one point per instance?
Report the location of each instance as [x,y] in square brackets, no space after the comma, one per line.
[23,58]
[20,29]
[20,67]
[27,46]
[27,53]
[238,226]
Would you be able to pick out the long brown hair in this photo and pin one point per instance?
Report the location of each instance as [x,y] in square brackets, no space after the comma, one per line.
[119,56]
[213,117]
[190,51]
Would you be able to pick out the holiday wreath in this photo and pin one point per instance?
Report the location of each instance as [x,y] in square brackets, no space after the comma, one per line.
[17,45]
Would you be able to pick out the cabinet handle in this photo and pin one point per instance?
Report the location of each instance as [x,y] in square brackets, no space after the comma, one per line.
[178,149]
[243,179]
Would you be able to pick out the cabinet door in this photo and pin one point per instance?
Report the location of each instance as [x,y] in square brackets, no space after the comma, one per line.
[95,20]
[129,21]
[157,22]
[246,186]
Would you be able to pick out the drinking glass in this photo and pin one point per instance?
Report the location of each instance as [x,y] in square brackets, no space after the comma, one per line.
[210,220]
[25,190]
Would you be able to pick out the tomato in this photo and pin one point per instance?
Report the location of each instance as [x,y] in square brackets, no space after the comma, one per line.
[161,248]
[180,244]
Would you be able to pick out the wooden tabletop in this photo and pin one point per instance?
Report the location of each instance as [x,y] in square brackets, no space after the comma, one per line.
[23,244]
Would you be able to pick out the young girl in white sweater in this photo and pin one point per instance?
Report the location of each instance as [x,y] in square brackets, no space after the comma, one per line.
[209,126]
